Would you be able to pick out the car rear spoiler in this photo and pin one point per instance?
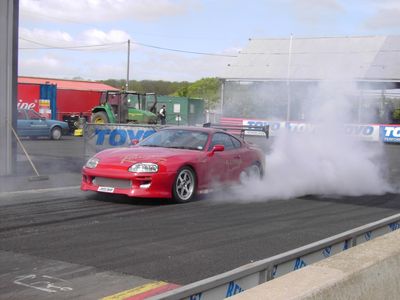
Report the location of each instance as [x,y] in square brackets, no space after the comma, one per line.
[240,129]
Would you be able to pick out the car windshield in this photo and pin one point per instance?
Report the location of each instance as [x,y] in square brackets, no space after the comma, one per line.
[177,138]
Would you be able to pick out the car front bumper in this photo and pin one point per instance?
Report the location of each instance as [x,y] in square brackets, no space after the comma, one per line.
[141,185]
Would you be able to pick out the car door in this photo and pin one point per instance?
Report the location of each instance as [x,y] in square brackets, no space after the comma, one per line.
[237,159]
[222,163]
[37,125]
[23,124]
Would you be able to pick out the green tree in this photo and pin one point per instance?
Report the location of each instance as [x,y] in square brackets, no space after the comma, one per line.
[206,88]
[396,115]
[182,92]
[117,83]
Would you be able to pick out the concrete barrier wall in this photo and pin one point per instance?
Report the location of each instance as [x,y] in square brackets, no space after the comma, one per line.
[367,271]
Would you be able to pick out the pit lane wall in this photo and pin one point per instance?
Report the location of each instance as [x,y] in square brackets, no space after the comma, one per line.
[387,133]
[250,276]
[368,271]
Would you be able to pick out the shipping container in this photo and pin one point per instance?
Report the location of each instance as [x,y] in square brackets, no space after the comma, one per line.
[182,110]
[76,102]
[68,98]
[28,96]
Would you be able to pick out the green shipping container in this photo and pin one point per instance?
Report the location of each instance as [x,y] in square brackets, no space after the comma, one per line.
[182,110]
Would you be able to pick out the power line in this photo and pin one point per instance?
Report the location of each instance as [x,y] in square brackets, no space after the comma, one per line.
[41,15]
[183,51]
[81,47]
[50,47]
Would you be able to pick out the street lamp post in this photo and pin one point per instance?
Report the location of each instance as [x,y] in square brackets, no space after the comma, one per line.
[289,100]
[127,66]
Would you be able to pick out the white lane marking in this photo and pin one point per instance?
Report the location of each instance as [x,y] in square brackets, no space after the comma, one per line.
[43,283]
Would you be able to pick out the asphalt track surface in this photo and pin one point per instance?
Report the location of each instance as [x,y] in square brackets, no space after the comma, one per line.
[68,244]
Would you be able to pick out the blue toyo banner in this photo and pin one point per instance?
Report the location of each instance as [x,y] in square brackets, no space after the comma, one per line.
[390,133]
[102,136]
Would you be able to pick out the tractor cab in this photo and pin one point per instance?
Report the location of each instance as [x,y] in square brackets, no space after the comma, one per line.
[126,107]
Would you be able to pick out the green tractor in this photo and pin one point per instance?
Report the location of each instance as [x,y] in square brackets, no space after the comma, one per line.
[125,107]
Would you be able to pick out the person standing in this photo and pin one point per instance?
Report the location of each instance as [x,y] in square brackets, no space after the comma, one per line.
[163,114]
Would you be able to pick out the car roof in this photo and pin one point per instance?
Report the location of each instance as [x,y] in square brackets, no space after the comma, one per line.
[200,129]
[194,128]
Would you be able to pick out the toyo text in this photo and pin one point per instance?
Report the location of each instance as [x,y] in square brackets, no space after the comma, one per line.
[119,137]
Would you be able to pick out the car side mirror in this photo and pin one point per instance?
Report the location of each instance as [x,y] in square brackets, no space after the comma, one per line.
[216,148]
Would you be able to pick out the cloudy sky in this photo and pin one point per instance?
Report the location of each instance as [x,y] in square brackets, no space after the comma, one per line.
[177,40]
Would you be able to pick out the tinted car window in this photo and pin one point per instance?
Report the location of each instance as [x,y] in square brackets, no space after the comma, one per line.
[236,142]
[220,138]
[177,138]
[33,115]
[21,115]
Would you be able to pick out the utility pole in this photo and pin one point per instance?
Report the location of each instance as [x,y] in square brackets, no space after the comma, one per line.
[289,98]
[9,13]
[127,67]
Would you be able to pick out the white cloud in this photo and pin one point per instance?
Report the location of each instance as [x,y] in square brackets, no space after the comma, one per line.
[316,11]
[96,36]
[105,64]
[30,38]
[101,10]
[97,70]
[61,63]
[40,38]
[386,16]
[61,67]
[45,66]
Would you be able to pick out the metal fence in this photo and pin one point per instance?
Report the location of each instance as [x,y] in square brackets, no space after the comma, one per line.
[250,275]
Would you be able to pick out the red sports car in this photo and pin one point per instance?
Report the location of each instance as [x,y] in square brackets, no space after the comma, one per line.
[175,163]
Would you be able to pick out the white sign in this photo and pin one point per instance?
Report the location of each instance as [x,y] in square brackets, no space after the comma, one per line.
[177,108]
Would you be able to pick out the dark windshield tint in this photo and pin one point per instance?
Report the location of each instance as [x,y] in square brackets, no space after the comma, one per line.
[33,115]
[224,139]
[177,138]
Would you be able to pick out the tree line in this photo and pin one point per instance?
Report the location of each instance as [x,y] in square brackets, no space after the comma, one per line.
[205,88]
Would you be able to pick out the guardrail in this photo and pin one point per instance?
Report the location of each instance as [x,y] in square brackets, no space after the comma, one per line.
[250,275]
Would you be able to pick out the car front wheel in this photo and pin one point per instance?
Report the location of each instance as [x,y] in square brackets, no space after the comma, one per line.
[184,188]
[56,133]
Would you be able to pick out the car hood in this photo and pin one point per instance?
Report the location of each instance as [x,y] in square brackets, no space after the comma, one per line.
[132,155]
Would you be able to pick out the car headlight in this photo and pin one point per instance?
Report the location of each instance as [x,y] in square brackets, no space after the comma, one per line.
[92,163]
[144,168]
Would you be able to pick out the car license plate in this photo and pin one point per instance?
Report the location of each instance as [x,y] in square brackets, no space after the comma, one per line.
[105,189]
